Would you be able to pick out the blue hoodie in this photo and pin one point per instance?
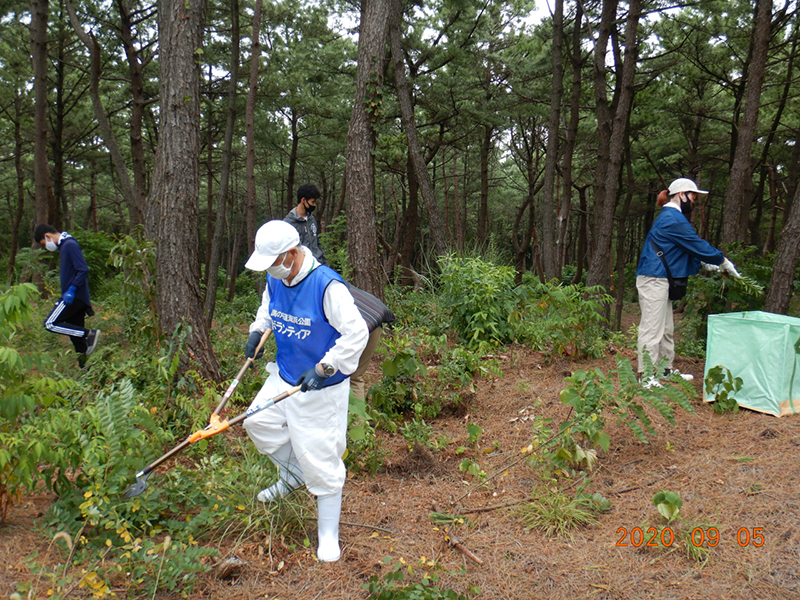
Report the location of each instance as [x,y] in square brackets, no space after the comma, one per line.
[683,249]
[74,270]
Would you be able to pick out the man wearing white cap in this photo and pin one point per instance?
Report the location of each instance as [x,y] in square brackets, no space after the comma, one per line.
[672,252]
[320,335]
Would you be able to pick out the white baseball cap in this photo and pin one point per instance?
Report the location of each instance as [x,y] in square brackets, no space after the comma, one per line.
[684,185]
[273,238]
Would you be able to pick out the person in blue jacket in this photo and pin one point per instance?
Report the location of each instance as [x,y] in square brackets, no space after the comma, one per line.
[671,244]
[69,313]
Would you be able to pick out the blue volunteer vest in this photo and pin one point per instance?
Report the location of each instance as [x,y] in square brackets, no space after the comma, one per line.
[302,333]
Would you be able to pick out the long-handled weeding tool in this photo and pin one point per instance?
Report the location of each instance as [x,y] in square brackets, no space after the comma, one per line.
[215,425]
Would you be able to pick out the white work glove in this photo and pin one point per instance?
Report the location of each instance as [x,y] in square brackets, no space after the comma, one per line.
[727,267]
[708,267]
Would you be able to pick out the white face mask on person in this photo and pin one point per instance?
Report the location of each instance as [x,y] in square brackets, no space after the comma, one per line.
[279,271]
[50,244]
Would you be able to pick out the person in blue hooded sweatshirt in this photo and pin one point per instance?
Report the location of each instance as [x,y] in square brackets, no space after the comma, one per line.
[672,250]
[69,313]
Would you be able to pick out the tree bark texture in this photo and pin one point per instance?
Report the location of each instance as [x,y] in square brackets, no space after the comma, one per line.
[212,268]
[43,194]
[176,179]
[549,238]
[483,229]
[362,239]
[405,99]
[136,64]
[786,255]
[291,199]
[12,256]
[605,205]
[576,62]
[737,198]
[249,129]
[60,218]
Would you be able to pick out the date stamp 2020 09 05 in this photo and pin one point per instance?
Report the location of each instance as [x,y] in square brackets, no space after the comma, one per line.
[665,537]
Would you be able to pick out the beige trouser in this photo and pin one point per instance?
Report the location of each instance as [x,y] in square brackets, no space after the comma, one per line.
[656,326]
[357,377]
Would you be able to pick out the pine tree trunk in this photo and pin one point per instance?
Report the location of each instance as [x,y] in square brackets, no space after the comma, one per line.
[12,257]
[406,102]
[249,127]
[225,171]
[176,180]
[781,285]
[606,202]
[43,190]
[138,107]
[549,237]
[482,233]
[362,239]
[109,138]
[740,183]
[576,61]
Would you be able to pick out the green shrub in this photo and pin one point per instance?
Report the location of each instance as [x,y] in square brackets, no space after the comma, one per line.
[479,296]
[563,319]
[23,393]
[723,385]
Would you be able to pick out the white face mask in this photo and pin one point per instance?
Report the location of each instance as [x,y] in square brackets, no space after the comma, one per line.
[279,271]
[50,244]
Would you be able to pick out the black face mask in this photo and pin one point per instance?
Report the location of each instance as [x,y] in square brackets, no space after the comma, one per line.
[687,206]
[310,208]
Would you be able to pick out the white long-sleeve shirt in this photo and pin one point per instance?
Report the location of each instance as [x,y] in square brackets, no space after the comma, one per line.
[341,312]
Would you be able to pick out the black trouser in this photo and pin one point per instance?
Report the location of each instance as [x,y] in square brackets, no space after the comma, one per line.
[68,319]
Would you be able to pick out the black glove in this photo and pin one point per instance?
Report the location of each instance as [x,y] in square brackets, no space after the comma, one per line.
[252,344]
[311,380]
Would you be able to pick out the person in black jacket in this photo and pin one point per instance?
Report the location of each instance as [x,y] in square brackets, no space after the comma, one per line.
[69,313]
[303,221]
[375,312]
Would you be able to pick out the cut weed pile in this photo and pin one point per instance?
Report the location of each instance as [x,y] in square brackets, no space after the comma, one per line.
[734,474]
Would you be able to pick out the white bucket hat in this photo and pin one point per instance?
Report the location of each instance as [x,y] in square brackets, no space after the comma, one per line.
[273,238]
[684,185]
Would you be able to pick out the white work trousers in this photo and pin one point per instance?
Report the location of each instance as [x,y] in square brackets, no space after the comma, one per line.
[656,327]
[315,422]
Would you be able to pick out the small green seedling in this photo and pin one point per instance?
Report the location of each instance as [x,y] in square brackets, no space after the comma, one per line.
[474,433]
[668,504]
[721,383]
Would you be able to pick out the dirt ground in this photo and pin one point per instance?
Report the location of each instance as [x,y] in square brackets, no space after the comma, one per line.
[734,472]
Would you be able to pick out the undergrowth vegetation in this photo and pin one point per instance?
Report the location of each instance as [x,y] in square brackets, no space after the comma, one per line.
[84,434]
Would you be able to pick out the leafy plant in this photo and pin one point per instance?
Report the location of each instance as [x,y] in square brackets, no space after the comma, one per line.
[393,586]
[473,433]
[480,299]
[417,431]
[590,393]
[473,468]
[23,393]
[668,504]
[723,385]
[564,319]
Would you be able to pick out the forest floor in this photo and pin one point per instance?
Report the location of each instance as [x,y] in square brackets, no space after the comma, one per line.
[738,473]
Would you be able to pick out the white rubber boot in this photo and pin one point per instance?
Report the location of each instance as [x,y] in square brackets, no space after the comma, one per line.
[329,509]
[290,476]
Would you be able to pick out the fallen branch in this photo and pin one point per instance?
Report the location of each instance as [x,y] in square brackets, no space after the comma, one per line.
[481,509]
[455,542]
